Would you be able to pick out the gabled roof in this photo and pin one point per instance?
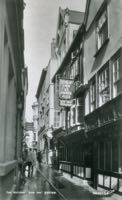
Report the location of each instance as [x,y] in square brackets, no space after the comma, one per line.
[75,17]
[42,78]
[77,39]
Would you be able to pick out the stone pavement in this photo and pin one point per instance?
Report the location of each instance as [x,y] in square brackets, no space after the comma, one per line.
[49,184]
[71,190]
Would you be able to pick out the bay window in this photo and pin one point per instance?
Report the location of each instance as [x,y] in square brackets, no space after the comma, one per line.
[77,112]
[116,76]
[104,90]
[92,95]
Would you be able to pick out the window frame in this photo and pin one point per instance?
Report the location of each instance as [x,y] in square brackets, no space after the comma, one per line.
[77,104]
[92,97]
[102,32]
[56,119]
[103,77]
[115,83]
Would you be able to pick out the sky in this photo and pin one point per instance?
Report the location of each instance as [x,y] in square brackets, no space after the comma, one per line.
[40,22]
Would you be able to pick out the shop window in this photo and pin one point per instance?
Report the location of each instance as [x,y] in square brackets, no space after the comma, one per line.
[102,29]
[115,157]
[104,90]
[117,81]
[101,156]
[108,156]
[120,156]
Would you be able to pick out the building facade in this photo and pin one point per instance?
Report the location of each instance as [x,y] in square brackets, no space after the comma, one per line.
[88,143]
[29,137]
[13,89]
[103,73]
[35,124]
[69,136]
[45,98]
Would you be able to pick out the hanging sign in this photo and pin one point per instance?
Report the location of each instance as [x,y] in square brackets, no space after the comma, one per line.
[65,103]
[65,89]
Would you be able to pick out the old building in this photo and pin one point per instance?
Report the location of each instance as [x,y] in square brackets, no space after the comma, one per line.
[88,142]
[103,74]
[72,152]
[41,112]
[35,124]
[13,83]
[29,137]
[45,98]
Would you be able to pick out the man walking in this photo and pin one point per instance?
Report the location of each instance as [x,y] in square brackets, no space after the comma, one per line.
[30,162]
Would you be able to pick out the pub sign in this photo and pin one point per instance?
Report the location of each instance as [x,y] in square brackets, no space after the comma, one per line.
[65,89]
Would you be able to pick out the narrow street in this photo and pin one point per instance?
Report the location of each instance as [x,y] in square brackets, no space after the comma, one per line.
[60,100]
[48,184]
[35,188]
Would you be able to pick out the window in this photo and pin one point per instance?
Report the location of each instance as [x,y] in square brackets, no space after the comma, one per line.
[74,69]
[80,110]
[68,118]
[77,112]
[102,29]
[72,74]
[56,119]
[92,95]
[74,33]
[62,118]
[120,156]
[116,77]
[108,155]
[101,155]
[104,91]
[76,66]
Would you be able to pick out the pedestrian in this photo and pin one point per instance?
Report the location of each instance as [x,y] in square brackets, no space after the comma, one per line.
[29,162]
[20,167]
[39,158]
[22,164]
[34,161]
[25,160]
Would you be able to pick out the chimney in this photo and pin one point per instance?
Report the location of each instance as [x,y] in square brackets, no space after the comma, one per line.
[53,47]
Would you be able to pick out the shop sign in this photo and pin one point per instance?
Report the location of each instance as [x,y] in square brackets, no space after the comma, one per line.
[65,89]
[65,103]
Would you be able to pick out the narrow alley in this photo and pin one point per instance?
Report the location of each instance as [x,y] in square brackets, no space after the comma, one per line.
[61,99]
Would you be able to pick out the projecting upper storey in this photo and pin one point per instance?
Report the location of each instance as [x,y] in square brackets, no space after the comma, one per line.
[67,26]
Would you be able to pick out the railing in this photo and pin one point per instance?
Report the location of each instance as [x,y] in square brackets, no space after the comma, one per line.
[74,169]
[108,113]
